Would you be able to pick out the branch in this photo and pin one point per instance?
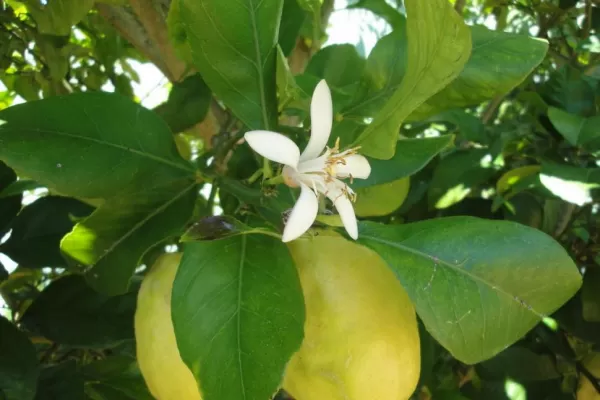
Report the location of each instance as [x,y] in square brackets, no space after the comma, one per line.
[143,25]
[585,372]
[489,111]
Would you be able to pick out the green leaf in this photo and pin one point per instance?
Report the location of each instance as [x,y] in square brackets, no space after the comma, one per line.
[56,17]
[39,228]
[571,90]
[572,184]
[18,187]
[129,160]
[499,62]
[411,156]
[116,236]
[578,131]
[457,175]
[9,206]
[339,64]
[292,18]
[233,46]
[521,364]
[238,313]
[187,104]
[70,312]
[60,381]
[439,44]
[381,8]
[116,374]
[18,364]
[90,145]
[384,70]
[474,284]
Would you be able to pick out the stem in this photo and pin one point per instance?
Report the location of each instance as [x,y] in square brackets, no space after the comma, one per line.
[255,176]
[266,169]
[275,181]
[489,111]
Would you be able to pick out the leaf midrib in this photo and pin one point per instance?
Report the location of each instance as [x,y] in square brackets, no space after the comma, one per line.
[461,271]
[239,312]
[117,146]
[144,220]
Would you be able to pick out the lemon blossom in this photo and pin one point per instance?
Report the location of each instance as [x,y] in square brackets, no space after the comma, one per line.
[318,170]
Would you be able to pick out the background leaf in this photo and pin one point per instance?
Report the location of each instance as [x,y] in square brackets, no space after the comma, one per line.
[38,229]
[233,46]
[436,55]
[411,156]
[18,364]
[238,313]
[473,285]
[9,206]
[70,312]
[499,61]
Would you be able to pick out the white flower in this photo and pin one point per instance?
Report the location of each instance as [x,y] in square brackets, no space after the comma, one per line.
[312,171]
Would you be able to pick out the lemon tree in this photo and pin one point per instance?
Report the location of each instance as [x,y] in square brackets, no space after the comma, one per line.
[266,200]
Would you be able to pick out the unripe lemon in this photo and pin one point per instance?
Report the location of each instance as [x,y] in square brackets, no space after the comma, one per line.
[586,390]
[167,377]
[361,338]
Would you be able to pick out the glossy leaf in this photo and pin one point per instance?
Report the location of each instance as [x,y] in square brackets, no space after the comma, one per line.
[114,238]
[18,364]
[499,62]
[577,130]
[233,46]
[238,313]
[473,286]
[439,44]
[411,156]
[70,312]
[90,145]
[39,228]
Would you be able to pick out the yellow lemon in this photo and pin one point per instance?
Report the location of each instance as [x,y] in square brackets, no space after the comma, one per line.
[586,390]
[167,377]
[361,336]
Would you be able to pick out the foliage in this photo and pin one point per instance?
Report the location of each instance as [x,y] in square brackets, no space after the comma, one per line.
[480,121]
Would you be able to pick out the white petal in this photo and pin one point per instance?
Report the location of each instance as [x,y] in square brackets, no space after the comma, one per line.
[302,216]
[344,207]
[356,165]
[274,146]
[321,116]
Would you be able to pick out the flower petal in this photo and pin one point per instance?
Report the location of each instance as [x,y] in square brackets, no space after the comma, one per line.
[344,207]
[274,146]
[321,115]
[302,216]
[356,165]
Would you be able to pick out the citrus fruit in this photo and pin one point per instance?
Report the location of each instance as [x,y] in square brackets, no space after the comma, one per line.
[167,377]
[361,336]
